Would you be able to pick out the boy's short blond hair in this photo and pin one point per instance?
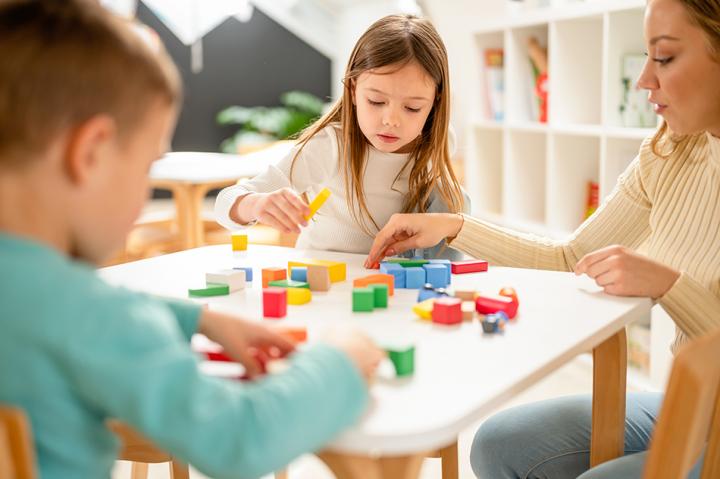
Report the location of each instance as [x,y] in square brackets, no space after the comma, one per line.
[65,61]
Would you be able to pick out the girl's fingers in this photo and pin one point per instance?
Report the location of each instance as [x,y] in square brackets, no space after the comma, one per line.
[288,225]
[298,207]
[589,259]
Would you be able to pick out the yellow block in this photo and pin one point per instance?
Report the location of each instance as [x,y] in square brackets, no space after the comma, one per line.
[298,295]
[338,271]
[318,202]
[239,242]
[424,308]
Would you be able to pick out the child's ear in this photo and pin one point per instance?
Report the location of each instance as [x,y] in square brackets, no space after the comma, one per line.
[88,145]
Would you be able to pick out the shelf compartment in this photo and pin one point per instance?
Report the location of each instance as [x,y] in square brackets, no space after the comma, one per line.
[485,171]
[523,191]
[521,102]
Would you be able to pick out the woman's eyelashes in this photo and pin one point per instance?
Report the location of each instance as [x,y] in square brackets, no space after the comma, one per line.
[380,103]
[661,60]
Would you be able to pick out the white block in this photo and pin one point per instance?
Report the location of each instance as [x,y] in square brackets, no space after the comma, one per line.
[235,279]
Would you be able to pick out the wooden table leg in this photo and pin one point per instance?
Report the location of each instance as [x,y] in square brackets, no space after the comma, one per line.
[346,466]
[607,440]
[182,195]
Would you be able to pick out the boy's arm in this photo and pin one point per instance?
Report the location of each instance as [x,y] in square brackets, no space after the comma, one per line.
[186,313]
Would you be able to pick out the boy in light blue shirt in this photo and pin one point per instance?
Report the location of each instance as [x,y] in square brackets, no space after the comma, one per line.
[85,107]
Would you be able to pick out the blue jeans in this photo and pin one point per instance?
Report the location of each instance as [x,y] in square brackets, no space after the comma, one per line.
[551,440]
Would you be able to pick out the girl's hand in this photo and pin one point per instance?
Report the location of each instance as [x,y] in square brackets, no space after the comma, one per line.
[240,338]
[410,231]
[283,209]
[623,272]
[363,353]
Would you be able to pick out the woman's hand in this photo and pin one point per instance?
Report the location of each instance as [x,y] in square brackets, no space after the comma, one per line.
[410,231]
[283,209]
[623,272]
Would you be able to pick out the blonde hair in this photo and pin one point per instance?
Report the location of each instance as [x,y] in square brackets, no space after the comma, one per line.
[706,15]
[396,40]
[64,62]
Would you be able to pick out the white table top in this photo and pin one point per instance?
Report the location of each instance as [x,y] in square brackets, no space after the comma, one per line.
[204,167]
[460,373]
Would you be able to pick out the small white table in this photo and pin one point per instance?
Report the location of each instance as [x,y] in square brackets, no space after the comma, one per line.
[460,373]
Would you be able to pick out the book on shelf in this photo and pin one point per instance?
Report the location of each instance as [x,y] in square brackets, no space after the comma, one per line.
[494,84]
[635,109]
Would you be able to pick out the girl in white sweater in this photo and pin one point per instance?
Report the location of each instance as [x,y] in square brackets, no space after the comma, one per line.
[383,148]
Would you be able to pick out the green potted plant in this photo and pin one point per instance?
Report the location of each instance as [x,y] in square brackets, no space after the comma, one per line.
[261,125]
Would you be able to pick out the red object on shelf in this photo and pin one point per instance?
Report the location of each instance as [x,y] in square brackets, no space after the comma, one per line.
[541,90]
[487,304]
[469,266]
[447,311]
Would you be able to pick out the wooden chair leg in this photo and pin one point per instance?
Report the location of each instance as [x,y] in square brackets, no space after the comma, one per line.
[138,470]
[449,461]
[178,470]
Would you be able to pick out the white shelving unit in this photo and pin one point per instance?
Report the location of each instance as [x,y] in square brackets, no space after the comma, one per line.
[533,176]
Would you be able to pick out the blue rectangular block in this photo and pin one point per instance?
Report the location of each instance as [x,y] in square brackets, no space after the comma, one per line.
[396,270]
[299,273]
[414,278]
[446,263]
[436,274]
[248,272]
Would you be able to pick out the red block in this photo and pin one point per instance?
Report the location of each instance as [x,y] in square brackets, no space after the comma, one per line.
[469,266]
[274,302]
[447,311]
[488,304]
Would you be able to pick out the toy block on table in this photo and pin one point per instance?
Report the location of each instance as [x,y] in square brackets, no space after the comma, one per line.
[408,262]
[318,277]
[414,277]
[239,242]
[509,293]
[316,203]
[272,274]
[299,273]
[380,278]
[380,295]
[448,267]
[297,296]
[465,294]
[428,291]
[424,309]
[338,270]
[447,311]
[469,266]
[274,302]
[233,278]
[248,272]
[363,299]
[295,334]
[403,360]
[210,289]
[288,283]
[494,323]
[436,274]
[468,310]
[488,304]
[397,271]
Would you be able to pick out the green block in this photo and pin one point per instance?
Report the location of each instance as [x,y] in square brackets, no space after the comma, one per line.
[380,295]
[408,263]
[289,283]
[211,289]
[363,299]
[403,360]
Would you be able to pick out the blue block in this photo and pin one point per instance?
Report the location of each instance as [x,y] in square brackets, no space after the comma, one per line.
[428,292]
[396,270]
[299,273]
[248,272]
[414,278]
[446,263]
[436,274]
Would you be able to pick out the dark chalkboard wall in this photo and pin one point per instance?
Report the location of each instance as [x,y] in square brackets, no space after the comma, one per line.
[247,64]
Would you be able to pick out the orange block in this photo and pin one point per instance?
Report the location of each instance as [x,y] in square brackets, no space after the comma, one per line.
[295,334]
[272,274]
[376,279]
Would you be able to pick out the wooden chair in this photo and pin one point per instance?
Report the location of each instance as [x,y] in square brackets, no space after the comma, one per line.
[689,420]
[17,454]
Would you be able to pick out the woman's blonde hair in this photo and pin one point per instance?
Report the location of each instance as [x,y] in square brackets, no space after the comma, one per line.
[706,15]
[396,40]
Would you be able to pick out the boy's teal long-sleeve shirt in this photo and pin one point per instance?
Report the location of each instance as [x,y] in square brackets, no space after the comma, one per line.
[75,351]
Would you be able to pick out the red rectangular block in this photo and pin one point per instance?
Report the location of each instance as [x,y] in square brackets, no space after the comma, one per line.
[469,266]
[274,302]
[488,304]
[447,310]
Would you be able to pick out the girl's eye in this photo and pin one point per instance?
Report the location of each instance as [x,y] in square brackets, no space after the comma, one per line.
[663,61]
[375,103]
[413,110]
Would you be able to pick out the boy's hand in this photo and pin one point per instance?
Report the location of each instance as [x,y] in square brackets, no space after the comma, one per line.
[241,339]
[362,351]
[283,209]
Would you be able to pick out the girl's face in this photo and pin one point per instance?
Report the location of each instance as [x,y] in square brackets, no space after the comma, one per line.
[680,73]
[392,105]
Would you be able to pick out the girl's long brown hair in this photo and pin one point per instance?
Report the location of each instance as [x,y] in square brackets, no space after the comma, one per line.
[396,40]
[706,15]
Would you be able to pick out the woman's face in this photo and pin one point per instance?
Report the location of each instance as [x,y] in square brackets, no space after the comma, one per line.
[681,72]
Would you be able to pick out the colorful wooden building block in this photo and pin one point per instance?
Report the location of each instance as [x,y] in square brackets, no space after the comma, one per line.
[380,295]
[494,323]
[424,309]
[510,293]
[338,270]
[210,289]
[297,296]
[397,271]
[436,274]
[316,203]
[379,278]
[274,302]
[428,291]
[272,274]
[468,310]
[248,272]
[448,267]
[414,277]
[288,283]
[363,299]
[447,311]
[233,278]
[318,277]
[408,262]
[403,360]
[465,294]
[469,266]
[488,304]
[239,242]
[295,334]
[299,273]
